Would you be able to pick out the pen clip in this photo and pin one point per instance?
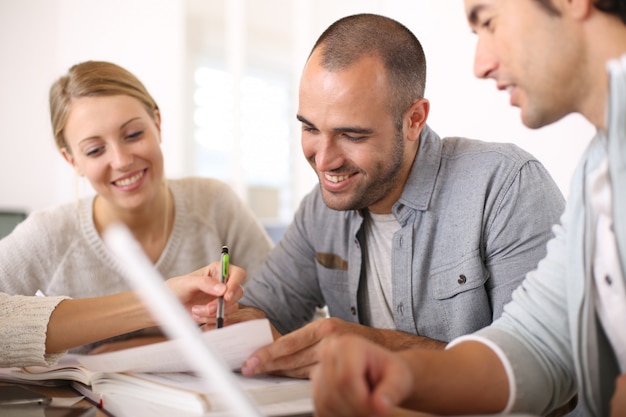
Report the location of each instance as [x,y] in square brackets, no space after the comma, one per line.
[225,260]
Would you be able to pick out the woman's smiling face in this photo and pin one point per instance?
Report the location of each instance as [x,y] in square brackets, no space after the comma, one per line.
[115,143]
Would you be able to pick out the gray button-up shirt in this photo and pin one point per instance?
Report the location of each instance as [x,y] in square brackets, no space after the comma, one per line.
[475,218]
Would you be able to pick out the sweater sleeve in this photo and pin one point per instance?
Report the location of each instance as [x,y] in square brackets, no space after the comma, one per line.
[23,326]
[534,334]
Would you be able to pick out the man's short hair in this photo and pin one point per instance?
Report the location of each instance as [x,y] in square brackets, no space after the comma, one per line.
[354,37]
[616,7]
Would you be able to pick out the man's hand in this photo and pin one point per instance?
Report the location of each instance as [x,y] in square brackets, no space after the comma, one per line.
[618,402]
[355,377]
[296,353]
[199,291]
[358,378]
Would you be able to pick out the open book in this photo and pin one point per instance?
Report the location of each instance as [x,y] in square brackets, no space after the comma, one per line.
[157,377]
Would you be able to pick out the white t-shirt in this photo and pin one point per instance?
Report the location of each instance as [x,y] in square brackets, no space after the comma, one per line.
[377,292]
[610,291]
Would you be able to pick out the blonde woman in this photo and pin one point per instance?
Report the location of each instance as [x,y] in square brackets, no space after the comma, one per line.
[108,128]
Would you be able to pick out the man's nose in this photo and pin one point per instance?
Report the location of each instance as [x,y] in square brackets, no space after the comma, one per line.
[485,60]
[327,156]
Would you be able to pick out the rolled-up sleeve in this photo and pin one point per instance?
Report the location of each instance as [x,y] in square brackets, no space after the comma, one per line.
[532,337]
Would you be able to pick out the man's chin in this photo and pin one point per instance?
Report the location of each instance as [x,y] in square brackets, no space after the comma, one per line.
[334,202]
[337,202]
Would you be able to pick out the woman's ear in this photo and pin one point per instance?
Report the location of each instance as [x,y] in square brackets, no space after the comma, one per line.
[69,158]
[157,119]
[157,122]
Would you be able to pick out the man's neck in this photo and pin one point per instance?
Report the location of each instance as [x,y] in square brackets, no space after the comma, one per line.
[606,40]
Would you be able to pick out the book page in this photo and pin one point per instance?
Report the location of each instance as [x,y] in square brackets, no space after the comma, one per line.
[233,343]
[68,369]
[184,392]
[274,385]
[281,394]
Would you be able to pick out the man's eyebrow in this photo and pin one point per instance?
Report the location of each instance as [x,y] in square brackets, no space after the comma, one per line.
[303,120]
[359,130]
[472,17]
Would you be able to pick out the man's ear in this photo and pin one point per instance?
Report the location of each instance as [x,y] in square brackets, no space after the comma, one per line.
[70,160]
[415,119]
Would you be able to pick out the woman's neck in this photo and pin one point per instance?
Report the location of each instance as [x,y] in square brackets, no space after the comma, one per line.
[151,224]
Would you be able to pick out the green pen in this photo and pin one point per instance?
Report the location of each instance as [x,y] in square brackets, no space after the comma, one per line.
[223,278]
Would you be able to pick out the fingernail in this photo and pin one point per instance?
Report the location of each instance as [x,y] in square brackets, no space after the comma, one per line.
[219,287]
[386,402]
[248,367]
[197,310]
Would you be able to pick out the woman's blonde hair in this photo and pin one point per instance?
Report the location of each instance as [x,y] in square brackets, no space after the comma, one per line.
[89,79]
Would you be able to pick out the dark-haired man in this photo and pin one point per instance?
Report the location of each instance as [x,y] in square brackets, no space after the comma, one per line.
[410,239]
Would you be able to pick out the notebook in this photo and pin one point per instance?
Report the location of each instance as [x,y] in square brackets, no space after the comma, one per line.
[177,324]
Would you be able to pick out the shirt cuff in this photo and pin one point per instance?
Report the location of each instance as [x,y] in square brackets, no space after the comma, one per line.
[503,359]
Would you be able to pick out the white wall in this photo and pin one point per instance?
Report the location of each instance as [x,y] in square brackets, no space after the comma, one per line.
[40,39]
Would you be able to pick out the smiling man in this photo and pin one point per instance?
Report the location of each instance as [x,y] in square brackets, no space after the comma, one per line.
[563,332]
[409,239]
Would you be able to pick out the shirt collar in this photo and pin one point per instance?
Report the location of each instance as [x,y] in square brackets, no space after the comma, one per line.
[420,184]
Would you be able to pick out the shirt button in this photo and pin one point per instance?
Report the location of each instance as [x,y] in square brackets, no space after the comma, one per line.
[353,310]
[608,280]
[400,309]
[462,279]
[401,241]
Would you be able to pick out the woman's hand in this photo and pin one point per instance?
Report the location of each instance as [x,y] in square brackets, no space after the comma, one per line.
[199,291]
